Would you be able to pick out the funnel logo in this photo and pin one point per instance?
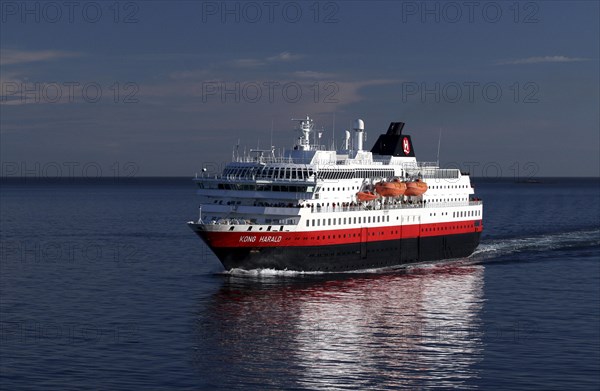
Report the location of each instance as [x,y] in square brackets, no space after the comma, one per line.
[406,145]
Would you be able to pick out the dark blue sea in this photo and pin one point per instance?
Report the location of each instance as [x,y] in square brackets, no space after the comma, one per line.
[103,286]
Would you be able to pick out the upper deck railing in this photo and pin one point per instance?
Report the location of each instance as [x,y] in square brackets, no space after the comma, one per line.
[352,207]
[263,159]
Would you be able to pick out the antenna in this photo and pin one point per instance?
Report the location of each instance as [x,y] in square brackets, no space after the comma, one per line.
[333,133]
[438,151]
[271,132]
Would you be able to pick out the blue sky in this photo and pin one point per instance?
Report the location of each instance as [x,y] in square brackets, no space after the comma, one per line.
[513,86]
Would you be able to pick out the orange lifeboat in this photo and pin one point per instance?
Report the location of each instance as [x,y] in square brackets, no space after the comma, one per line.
[390,189]
[400,185]
[415,188]
[366,196]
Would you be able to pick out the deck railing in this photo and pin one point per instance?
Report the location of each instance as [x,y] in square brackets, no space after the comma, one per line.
[390,206]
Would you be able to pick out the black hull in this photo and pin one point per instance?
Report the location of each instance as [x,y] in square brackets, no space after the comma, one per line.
[347,257]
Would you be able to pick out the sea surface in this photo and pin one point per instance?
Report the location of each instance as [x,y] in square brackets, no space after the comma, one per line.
[103,286]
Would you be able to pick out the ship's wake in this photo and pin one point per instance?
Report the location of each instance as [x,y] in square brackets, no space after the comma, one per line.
[538,243]
[268,273]
[487,251]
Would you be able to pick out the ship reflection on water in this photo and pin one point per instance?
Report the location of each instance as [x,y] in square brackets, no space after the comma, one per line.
[418,327]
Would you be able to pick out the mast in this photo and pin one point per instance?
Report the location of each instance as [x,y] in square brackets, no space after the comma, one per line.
[305,127]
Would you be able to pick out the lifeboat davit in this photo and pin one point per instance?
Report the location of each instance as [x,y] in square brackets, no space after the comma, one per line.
[391,189]
[366,196]
[415,188]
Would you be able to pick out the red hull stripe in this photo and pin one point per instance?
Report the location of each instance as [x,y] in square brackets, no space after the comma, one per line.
[341,236]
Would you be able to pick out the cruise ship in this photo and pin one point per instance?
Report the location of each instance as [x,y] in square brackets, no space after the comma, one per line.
[317,209]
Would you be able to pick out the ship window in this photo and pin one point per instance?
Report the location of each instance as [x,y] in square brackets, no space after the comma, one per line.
[269,228]
[339,221]
[318,222]
[355,220]
[328,221]
[333,221]
[308,223]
